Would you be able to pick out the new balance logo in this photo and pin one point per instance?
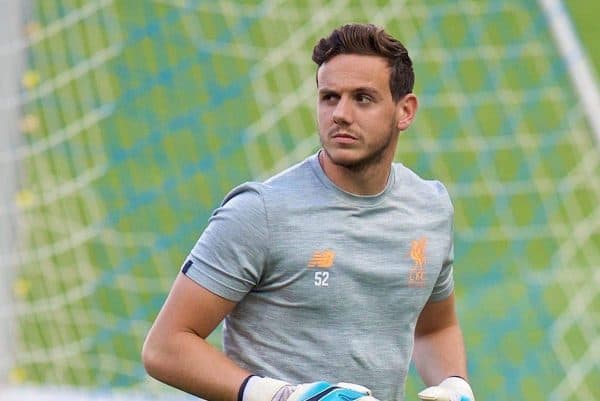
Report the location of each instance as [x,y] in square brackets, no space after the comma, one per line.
[322,259]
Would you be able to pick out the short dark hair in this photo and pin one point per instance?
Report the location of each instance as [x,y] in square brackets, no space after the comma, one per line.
[369,39]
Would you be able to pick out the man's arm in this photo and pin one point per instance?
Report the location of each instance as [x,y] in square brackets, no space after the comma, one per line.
[175,351]
[439,347]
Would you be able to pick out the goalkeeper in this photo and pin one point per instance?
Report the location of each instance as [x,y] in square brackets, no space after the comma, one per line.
[331,275]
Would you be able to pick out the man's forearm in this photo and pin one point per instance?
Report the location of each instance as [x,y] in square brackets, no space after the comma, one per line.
[189,363]
[439,354]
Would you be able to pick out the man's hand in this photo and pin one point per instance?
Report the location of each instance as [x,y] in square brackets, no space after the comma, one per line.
[451,389]
[266,389]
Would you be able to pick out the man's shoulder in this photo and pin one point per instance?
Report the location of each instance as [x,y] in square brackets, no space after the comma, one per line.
[424,188]
[294,175]
[295,178]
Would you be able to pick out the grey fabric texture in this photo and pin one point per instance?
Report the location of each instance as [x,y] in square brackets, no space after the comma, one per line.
[328,284]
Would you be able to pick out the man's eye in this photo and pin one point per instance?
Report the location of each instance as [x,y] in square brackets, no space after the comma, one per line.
[363,99]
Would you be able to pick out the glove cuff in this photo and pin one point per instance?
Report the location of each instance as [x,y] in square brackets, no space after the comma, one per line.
[256,388]
[458,385]
[240,396]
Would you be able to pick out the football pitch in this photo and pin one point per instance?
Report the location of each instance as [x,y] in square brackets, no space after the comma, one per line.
[143,115]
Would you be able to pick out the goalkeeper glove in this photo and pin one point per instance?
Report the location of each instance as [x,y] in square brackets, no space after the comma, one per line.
[451,389]
[257,388]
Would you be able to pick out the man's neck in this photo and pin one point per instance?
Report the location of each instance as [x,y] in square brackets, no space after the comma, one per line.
[369,180]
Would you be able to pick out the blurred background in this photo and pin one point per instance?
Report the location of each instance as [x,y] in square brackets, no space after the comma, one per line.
[124,123]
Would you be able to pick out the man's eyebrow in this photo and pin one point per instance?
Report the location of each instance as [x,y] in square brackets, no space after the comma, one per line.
[366,89]
[326,90]
[361,89]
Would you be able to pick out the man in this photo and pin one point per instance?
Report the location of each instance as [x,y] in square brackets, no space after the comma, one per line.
[333,271]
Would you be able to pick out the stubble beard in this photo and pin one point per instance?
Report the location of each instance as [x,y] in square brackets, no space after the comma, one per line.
[374,157]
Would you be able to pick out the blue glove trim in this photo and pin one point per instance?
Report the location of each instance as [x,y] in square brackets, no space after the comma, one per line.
[323,391]
[342,394]
[317,390]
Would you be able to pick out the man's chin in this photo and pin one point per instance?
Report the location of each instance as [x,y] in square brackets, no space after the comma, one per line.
[347,158]
[354,160]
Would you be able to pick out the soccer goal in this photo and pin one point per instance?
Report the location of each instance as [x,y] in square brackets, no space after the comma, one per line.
[125,123]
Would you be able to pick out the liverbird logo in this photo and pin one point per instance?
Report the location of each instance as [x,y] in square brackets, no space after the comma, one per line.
[417,252]
[416,275]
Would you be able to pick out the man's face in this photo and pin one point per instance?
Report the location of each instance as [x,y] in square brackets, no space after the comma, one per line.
[357,117]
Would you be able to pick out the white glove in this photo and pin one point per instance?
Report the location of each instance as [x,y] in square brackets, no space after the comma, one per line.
[266,389]
[451,389]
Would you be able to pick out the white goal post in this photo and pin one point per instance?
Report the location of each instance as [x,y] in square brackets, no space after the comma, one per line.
[580,69]
[11,67]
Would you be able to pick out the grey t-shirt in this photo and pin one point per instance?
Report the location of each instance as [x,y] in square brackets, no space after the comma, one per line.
[329,284]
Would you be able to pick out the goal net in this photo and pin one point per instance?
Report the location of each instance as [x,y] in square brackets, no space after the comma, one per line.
[129,122]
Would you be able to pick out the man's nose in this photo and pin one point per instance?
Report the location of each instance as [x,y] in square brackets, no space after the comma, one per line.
[342,114]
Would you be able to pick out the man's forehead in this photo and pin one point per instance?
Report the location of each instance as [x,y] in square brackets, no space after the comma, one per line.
[353,70]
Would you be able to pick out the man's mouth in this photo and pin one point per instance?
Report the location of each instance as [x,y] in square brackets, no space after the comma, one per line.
[344,138]
[343,135]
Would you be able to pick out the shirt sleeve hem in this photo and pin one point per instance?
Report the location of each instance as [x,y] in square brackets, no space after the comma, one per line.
[215,286]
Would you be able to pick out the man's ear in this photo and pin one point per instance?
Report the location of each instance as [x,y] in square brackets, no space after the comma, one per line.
[406,108]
